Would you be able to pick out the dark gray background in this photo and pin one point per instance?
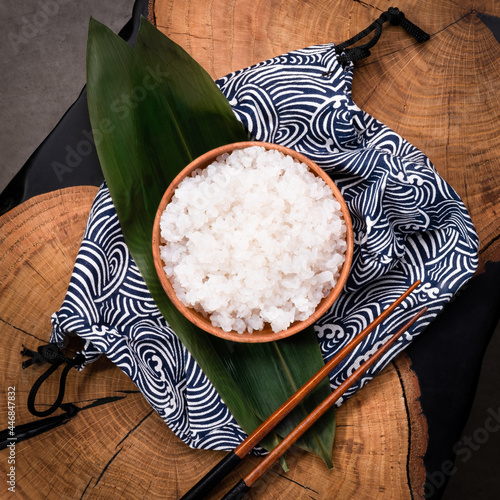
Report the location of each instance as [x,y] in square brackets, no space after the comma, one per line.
[42,67]
[42,70]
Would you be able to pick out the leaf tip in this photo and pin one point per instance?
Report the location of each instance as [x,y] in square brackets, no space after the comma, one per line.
[93,23]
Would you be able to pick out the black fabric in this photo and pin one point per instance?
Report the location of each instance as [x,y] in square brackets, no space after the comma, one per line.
[447,359]
[491,22]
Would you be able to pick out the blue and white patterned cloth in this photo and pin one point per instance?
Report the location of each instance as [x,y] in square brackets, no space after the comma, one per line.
[408,225]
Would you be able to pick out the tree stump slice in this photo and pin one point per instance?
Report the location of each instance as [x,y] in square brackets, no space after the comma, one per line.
[118,447]
[442,96]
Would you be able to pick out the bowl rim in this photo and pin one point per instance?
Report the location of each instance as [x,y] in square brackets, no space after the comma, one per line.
[265,335]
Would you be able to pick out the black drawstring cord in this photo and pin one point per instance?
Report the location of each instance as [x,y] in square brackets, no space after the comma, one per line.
[32,429]
[396,18]
[49,353]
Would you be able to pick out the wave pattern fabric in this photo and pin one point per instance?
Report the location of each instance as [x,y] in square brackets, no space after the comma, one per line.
[408,224]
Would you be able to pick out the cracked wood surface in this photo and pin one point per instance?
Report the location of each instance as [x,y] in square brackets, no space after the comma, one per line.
[117,446]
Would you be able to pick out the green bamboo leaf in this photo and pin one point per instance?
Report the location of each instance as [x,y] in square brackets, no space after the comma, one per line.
[293,364]
[161,110]
[132,184]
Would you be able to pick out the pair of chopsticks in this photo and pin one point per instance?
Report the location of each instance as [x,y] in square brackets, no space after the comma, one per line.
[228,463]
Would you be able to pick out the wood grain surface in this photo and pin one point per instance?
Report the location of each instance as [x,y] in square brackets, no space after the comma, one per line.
[118,447]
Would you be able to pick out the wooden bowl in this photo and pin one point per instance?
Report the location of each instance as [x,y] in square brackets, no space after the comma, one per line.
[266,334]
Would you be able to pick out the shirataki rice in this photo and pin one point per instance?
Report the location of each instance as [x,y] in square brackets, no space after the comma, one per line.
[253,238]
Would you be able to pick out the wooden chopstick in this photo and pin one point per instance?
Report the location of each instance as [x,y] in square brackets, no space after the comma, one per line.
[230,461]
[245,484]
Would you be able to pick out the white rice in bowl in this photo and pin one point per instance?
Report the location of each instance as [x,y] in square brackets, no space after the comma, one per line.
[253,238]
